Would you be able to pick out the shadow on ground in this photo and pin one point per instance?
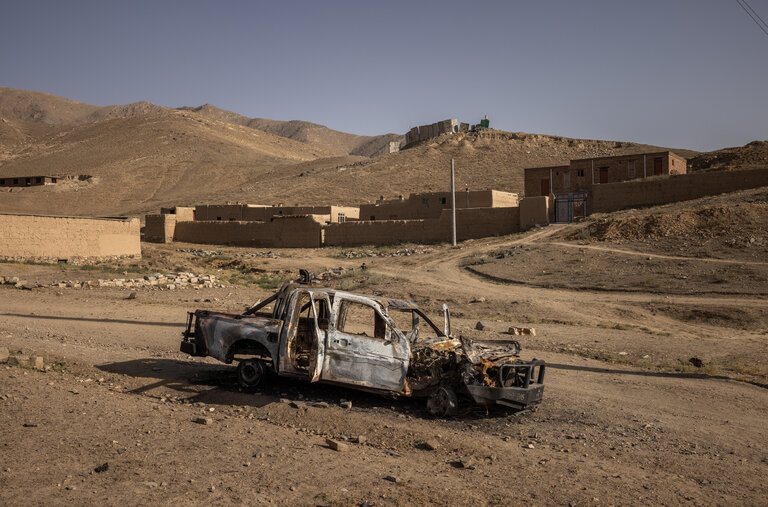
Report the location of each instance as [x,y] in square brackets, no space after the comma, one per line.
[214,384]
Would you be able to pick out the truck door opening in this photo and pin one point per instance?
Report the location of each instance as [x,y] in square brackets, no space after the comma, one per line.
[302,344]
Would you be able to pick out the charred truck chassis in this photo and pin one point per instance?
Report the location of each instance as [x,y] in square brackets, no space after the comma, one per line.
[325,335]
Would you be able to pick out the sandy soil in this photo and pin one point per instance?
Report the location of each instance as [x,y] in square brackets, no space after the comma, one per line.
[625,417]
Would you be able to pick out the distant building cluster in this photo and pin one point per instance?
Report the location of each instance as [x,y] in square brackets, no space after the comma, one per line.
[421,218]
[29,181]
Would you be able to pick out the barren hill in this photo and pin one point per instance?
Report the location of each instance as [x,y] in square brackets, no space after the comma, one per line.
[140,162]
[750,156]
[490,159]
[39,107]
[306,132]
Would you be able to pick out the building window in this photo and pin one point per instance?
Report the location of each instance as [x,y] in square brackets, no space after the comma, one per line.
[39,180]
[373,217]
[581,173]
[631,169]
[218,218]
[425,202]
[15,181]
[393,217]
[673,162]
[2,182]
[27,180]
[342,218]
[443,200]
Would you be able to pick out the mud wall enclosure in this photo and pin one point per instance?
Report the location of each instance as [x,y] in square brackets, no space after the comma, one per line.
[68,237]
[470,223]
[289,232]
[683,187]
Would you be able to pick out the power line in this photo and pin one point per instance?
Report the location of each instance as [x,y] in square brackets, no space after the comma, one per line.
[755,17]
[755,13]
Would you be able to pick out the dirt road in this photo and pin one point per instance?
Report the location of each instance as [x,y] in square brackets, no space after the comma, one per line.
[121,394]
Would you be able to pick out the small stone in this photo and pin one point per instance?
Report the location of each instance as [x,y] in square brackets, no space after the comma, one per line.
[71,488]
[529,446]
[36,362]
[431,444]
[151,484]
[204,420]
[30,425]
[212,489]
[18,360]
[698,363]
[4,354]
[467,462]
[132,295]
[320,404]
[392,478]
[481,326]
[346,404]
[101,468]
[361,439]
[622,353]
[336,445]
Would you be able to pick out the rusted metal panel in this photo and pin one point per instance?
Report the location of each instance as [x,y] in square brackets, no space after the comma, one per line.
[220,331]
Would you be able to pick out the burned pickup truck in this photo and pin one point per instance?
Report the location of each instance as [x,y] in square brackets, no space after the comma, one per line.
[370,343]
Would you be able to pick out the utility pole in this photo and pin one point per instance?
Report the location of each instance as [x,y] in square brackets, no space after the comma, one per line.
[453,205]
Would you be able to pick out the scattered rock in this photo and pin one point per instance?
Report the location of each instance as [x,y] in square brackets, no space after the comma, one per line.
[151,484]
[37,362]
[4,354]
[18,360]
[320,404]
[622,353]
[467,462]
[481,326]
[431,444]
[101,468]
[71,488]
[521,331]
[698,363]
[392,478]
[30,425]
[336,445]
[361,439]
[481,299]
[132,295]
[529,446]
[346,404]
[204,420]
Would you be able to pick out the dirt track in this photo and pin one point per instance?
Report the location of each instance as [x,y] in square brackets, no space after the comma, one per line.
[606,432]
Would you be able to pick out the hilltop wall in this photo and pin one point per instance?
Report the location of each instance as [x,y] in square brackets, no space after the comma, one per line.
[68,237]
[615,196]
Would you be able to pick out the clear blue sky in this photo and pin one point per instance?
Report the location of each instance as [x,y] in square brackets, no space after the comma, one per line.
[689,74]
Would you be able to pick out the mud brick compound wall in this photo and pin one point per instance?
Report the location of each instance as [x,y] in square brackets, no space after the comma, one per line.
[68,237]
[683,187]
[470,223]
[288,232]
[160,228]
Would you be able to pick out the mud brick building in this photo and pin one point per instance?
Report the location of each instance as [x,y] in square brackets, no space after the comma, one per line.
[582,175]
[28,181]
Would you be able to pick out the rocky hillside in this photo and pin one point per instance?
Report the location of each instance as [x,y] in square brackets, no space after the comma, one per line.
[306,132]
[750,156]
[39,107]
